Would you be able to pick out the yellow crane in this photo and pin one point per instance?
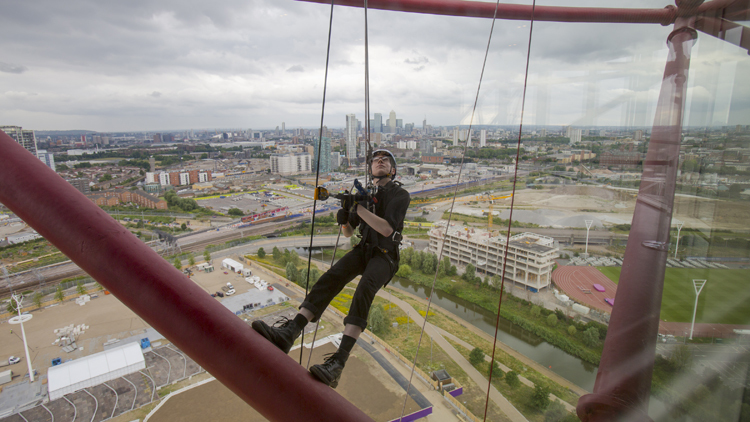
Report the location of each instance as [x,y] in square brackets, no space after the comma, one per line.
[491,200]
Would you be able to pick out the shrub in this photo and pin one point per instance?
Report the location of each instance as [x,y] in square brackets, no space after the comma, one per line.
[591,337]
[511,378]
[261,253]
[476,356]
[572,330]
[552,320]
[535,311]
[540,397]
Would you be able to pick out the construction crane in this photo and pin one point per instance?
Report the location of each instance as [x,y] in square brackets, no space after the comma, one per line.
[491,200]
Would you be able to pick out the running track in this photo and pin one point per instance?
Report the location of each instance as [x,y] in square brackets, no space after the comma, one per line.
[578,282]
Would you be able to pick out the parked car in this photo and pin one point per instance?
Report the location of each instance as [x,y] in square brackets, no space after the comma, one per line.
[226,272]
[230,292]
[13,360]
[270,288]
[220,294]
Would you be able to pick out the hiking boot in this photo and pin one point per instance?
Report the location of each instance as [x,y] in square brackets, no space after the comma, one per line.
[330,371]
[282,334]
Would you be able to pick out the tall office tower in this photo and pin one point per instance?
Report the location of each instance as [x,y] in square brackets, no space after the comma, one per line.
[575,136]
[409,128]
[378,125]
[455,136]
[543,133]
[47,158]
[399,123]
[392,122]
[565,131]
[351,138]
[483,138]
[638,135]
[283,128]
[468,139]
[424,123]
[24,137]
[325,156]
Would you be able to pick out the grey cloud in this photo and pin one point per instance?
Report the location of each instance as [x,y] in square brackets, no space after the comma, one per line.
[417,60]
[155,94]
[12,68]
[296,68]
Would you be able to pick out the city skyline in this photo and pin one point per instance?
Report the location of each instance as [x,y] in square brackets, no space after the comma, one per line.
[151,67]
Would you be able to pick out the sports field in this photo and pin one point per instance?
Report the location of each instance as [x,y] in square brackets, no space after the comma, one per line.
[723,300]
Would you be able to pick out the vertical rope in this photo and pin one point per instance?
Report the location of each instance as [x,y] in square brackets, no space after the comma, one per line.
[512,201]
[368,148]
[317,167]
[453,203]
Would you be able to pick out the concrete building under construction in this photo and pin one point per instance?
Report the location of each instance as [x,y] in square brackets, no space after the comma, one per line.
[530,257]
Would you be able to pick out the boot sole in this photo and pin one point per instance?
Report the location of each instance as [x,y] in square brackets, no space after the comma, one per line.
[320,375]
[262,328]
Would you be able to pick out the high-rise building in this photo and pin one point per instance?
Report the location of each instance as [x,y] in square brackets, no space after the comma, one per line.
[424,124]
[543,133]
[378,123]
[47,158]
[455,136]
[283,128]
[392,122]
[24,137]
[483,138]
[325,156]
[351,138]
[638,135]
[575,136]
[289,164]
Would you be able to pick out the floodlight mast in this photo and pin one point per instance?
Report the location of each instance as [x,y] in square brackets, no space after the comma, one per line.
[698,286]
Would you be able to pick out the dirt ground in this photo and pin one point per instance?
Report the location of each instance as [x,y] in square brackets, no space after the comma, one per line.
[363,383]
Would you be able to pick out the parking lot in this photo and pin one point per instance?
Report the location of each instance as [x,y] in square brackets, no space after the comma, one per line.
[164,365]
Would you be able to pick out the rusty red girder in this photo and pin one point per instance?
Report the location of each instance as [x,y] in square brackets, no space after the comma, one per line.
[264,377]
[623,381]
[478,9]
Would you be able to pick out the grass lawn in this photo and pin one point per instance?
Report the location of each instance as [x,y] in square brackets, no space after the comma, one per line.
[723,299]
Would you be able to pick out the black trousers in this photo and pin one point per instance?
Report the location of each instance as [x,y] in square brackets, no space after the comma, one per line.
[376,272]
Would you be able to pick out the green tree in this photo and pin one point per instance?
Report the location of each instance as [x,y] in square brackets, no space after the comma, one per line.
[204,156]
[535,311]
[207,255]
[183,226]
[540,397]
[591,337]
[476,356]
[177,263]
[445,266]
[454,270]
[378,319]
[235,212]
[429,263]
[470,273]
[191,260]
[59,293]
[294,257]
[681,359]
[292,273]
[496,371]
[277,254]
[572,330]
[38,299]
[555,412]
[80,289]
[511,378]
[552,320]
[261,253]
[11,307]
[404,270]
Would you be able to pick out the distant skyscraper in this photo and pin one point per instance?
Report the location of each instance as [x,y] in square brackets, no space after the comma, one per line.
[392,122]
[24,137]
[424,124]
[638,135]
[575,136]
[283,128]
[47,158]
[351,138]
[378,126]
[483,138]
[325,156]
[543,133]
[455,136]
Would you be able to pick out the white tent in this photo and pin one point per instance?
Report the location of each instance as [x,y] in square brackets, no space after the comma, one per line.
[94,369]
[232,265]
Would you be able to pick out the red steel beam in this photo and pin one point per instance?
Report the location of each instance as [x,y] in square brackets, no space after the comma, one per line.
[623,381]
[478,9]
[264,377]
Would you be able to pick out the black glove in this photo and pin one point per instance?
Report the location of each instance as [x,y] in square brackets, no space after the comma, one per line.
[354,219]
[342,217]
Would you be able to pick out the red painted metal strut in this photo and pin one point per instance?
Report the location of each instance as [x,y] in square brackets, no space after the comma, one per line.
[259,373]
[623,381]
[478,9]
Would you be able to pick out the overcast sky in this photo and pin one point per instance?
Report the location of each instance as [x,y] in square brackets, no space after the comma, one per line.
[185,64]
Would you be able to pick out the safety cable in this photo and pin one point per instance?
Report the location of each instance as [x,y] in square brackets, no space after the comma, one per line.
[512,201]
[368,146]
[453,203]
[317,170]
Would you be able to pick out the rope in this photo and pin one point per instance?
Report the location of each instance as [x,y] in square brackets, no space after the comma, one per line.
[512,201]
[317,168]
[368,148]
[450,215]
[317,324]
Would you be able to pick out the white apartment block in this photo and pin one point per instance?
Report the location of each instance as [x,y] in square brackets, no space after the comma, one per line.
[289,164]
[530,260]
[184,179]
[164,178]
